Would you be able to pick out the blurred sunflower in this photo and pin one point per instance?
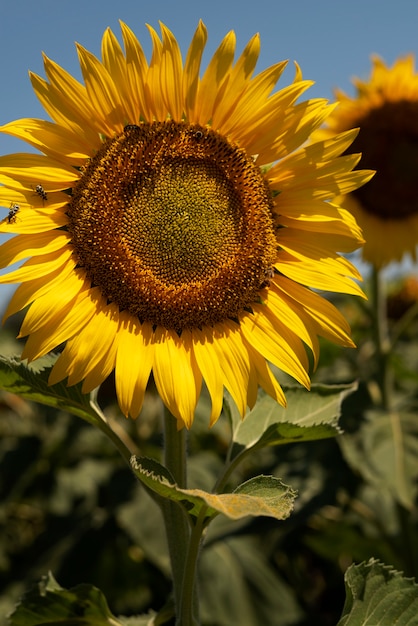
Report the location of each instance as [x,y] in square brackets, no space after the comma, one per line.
[385,108]
[157,239]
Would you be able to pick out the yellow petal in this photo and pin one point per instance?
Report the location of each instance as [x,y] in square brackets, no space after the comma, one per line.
[176,374]
[31,221]
[23,246]
[34,167]
[153,93]
[52,139]
[215,74]
[29,291]
[94,347]
[192,70]
[39,266]
[172,75]
[47,308]
[115,63]
[102,92]
[233,359]
[65,325]
[134,360]
[276,343]
[265,377]
[137,69]
[210,368]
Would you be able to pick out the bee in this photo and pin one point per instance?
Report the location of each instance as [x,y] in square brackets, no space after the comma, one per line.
[268,276]
[198,134]
[41,192]
[129,127]
[11,217]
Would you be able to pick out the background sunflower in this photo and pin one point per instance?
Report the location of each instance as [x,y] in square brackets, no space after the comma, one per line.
[385,108]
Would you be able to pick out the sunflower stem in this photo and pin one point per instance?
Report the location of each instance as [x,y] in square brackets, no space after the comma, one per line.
[178,527]
[188,609]
[382,339]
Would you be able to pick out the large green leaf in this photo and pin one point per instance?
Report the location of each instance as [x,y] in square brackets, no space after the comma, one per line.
[31,382]
[378,595]
[309,415]
[262,495]
[48,603]
[238,586]
[384,452]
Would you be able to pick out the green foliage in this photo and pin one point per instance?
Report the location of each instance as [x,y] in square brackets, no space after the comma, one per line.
[384,451]
[70,503]
[309,415]
[378,595]
[262,495]
[48,603]
[31,382]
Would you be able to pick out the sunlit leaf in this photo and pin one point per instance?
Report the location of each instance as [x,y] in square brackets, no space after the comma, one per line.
[262,495]
[309,415]
[378,595]
[31,382]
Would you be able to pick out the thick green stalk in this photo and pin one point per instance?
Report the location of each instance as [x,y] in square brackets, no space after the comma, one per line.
[178,526]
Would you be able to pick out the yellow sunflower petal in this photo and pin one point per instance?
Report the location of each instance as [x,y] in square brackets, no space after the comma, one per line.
[176,375]
[231,355]
[137,70]
[29,291]
[265,377]
[67,101]
[94,346]
[53,140]
[191,251]
[66,324]
[153,95]
[23,246]
[47,307]
[102,92]
[287,354]
[211,371]
[39,266]
[115,62]
[35,167]
[172,75]
[134,360]
[213,78]
[32,221]
[191,71]
[330,323]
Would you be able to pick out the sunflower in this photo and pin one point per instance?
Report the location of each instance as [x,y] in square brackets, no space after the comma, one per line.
[173,224]
[385,108]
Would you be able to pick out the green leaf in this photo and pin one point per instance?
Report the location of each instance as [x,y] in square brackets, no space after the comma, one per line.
[309,415]
[380,596]
[384,452]
[48,603]
[262,495]
[30,381]
[238,585]
[151,619]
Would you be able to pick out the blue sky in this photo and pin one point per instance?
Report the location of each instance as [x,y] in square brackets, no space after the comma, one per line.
[332,40]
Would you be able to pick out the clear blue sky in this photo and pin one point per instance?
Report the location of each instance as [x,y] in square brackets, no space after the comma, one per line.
[332,40]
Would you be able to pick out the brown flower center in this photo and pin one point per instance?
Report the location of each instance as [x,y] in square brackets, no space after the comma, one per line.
[174,224]
[388,140]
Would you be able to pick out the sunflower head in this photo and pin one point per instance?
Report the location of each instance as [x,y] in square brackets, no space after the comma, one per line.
[385,108]
[172,223]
